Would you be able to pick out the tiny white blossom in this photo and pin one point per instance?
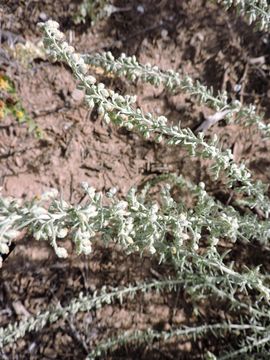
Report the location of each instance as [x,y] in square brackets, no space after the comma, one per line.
[61,252]
[4,249]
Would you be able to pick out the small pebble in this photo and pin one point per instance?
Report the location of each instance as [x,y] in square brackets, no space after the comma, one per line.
[237,87]
[140,9]
[77,95]
[164,34]
[43,16]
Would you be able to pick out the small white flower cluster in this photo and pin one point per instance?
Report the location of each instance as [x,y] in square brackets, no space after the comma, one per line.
[8,215]
[53,33]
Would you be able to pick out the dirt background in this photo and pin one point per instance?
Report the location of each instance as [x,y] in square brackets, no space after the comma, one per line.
[195,37]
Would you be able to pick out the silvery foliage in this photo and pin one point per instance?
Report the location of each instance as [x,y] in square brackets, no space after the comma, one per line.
[245,227]
[256,345]
[167,230]
[174,82]
[257,11]
[120,110]
[136,224]
[87,303]
[139,225]
[81,304]
[186,238]
[201,286]
[149,336]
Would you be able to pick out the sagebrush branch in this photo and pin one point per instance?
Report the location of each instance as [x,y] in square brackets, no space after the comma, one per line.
[174,82]
[120,110]
[167,230]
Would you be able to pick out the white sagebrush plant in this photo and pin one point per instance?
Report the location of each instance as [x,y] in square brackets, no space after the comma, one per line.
[187,239]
